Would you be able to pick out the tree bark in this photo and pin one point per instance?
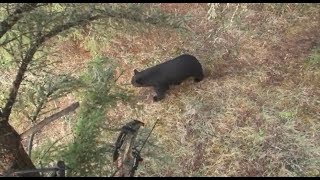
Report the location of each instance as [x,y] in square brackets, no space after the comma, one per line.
[12,154]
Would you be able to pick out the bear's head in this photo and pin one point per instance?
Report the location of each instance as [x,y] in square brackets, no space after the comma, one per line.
[137,79]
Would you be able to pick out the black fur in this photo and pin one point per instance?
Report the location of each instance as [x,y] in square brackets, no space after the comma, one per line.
[171,72]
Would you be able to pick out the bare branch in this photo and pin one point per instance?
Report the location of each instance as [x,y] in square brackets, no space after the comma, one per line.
[50,119]
[30,144]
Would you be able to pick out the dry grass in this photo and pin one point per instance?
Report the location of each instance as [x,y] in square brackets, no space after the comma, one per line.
[257,111]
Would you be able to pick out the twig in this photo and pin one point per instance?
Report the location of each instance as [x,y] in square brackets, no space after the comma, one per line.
[30,144]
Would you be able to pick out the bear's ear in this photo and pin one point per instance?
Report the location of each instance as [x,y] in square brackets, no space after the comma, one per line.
[135,71]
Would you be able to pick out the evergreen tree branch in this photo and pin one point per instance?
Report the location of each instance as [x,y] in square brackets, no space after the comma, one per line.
[29,56]
[12,19]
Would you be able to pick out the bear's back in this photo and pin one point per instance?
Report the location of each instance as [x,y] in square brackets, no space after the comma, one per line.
[175,70]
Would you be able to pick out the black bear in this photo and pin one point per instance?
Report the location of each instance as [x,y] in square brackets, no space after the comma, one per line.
[171,72]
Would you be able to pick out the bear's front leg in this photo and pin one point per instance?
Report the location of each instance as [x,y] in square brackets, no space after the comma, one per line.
[160,90]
